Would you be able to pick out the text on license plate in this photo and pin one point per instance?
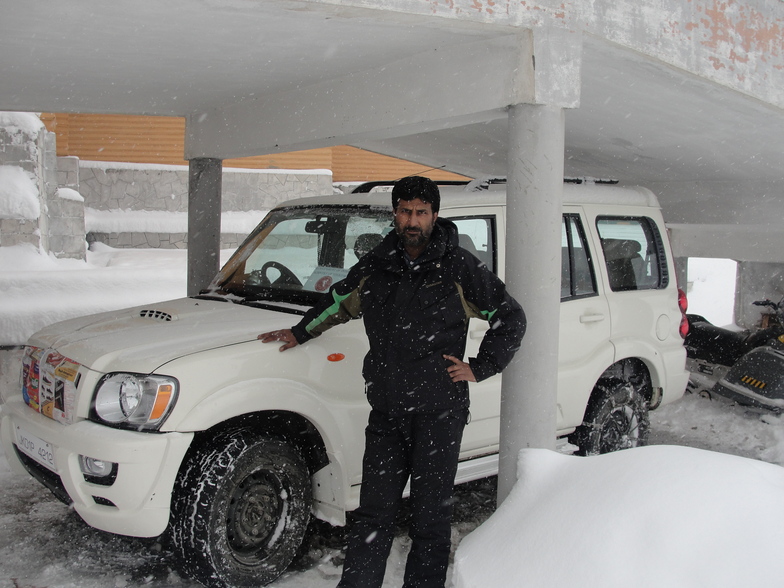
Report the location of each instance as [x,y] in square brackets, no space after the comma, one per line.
[35,447]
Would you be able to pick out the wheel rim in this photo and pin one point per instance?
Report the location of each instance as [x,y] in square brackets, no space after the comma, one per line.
[255,511]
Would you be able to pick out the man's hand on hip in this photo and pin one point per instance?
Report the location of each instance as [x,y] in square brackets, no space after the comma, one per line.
[284,335]
[460,371]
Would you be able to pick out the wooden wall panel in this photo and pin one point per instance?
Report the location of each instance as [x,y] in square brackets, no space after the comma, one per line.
[352,164]
[133,139]
[161,140]
[309,159]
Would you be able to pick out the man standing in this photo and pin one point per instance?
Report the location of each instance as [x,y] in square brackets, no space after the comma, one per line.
[416,291]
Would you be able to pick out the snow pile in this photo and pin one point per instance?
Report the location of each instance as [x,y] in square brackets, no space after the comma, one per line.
[18,194]
[37,290]
[69,194]
[655,516]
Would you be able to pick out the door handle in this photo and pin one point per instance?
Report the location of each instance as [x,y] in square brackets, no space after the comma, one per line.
[591,318]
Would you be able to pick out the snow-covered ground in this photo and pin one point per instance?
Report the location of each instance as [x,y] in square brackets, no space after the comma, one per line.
[649,530]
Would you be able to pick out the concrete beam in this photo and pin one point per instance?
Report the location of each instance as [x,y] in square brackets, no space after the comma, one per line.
[735,43]
[557,66]
[442,88]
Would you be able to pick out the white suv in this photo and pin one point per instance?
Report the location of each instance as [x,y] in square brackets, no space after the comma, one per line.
[173,414]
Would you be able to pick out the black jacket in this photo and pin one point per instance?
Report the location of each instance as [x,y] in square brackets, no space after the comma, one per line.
[415,315]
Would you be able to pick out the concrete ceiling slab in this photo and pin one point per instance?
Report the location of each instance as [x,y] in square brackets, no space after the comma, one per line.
[179,57]
[639,120]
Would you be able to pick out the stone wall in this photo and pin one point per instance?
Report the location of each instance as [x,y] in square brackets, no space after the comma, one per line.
[21,139]
[57,225]
[65,208]
[60,198]
[127,186]
[145,240]
[66,224]
[161,191]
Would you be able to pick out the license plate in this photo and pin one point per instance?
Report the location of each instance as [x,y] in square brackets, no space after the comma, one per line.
[35,447]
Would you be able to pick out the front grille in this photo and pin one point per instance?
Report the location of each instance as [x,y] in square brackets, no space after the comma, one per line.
[46,476]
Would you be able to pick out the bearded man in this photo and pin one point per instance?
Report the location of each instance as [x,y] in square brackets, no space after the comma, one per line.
[416,292]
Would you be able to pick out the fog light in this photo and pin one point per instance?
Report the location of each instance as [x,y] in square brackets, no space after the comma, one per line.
[98,471]
[95,467]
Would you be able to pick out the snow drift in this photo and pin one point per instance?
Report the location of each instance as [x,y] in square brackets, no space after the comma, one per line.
[654,516]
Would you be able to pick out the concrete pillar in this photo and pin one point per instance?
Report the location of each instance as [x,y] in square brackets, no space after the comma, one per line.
[204,221]
[533,276]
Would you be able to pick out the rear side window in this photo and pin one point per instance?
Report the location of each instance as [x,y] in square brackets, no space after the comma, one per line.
[633,252]
[476,234]
[577,277]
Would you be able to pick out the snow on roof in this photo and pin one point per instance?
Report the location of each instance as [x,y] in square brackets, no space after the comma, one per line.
[69,194]
[21,122]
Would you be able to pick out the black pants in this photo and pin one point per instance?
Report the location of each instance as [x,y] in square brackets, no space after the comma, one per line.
[424,447]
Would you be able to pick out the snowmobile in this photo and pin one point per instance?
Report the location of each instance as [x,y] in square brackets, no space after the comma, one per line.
[744,366]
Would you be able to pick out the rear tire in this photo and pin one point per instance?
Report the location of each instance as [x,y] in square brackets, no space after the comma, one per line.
[617,419]
[240,512]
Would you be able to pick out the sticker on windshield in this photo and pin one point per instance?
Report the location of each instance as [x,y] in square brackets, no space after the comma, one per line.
[322,278]
[324,283]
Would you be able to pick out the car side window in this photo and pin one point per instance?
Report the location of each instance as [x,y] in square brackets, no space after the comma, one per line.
[577,276]
[633,253]
[477,236]
[362,236]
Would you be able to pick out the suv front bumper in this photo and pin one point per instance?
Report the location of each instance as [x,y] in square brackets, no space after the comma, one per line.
[136,503]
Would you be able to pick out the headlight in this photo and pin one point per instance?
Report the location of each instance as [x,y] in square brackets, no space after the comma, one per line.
[135,401]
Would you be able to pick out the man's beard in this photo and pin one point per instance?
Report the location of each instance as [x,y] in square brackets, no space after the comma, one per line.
[416,240]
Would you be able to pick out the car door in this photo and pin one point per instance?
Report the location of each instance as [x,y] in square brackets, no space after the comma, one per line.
[584,350]
[642,293]
[479,232]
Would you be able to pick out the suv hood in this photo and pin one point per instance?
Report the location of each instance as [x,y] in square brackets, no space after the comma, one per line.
[143,338]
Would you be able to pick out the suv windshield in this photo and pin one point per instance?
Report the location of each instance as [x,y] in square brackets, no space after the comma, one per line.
[297,253]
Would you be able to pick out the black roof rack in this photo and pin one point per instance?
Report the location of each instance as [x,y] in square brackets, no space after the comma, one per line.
[590,181]
[476,185]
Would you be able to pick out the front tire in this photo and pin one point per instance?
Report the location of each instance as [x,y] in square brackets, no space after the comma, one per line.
[240,511]
[616,419]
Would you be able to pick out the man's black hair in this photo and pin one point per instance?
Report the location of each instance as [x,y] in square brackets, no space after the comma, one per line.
[412,187]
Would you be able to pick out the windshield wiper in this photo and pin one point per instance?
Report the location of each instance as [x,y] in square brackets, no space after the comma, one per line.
[268,298]
[272,305]
[285,295]
[217,297]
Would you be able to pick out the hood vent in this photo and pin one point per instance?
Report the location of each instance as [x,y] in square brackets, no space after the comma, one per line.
[156,315]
